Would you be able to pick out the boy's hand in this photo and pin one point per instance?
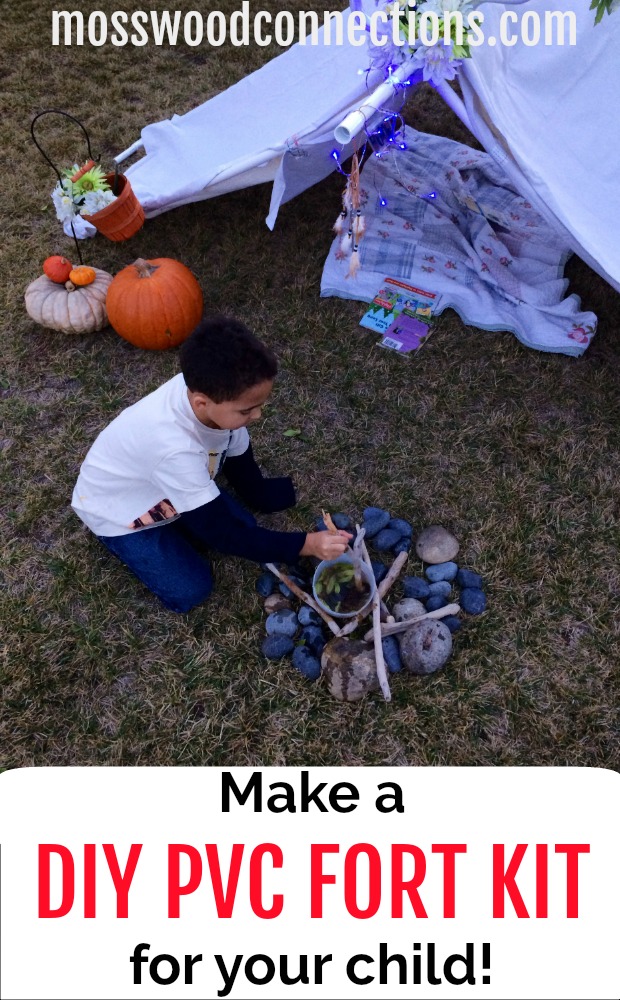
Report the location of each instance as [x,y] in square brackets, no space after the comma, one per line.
[326,544]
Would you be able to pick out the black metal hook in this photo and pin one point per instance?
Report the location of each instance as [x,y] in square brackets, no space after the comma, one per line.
[65,114]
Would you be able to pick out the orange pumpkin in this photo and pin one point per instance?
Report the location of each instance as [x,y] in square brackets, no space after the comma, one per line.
[82,275]
[57,269]
[154,304]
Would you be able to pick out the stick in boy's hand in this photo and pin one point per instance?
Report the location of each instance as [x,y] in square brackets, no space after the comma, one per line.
[326,544]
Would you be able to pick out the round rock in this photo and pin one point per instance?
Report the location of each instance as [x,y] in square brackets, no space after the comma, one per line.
[415,586]
[408,608]
[402,545]
[386,539]
[282,623]
[276,603]
[442,571]
[349,669]
[276,646]
[307,664]
[342,521]
[425,647]
[467,578]
[265,584]
[314,639]
[403,527]
[436,545]
[379,570]
[308,616]
[375,523]
[452,622]
[436,601]
[391,654]
[441,588]
[473,601]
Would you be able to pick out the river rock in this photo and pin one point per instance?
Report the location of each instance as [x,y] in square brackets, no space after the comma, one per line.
[308,616]
[386,539]
[276,646]
[425,647]
[282,623]
[307,664]
[436,601]
[403,527]
[265,584]
[473,600]
[391,654]
[408,608]
[452,622]
[379,570]
[276,603]
[442,587]
[342,521]
[402,545]
[467,578]
[436,545]
[314,639]
[415,586]
[441,571]
[349,668]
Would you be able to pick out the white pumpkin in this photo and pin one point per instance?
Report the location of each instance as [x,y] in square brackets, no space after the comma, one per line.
[69,308]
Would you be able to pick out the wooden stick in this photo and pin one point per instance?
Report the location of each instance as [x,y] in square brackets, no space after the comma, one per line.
[391,629]
[382,589]
[303,596]
[376,633]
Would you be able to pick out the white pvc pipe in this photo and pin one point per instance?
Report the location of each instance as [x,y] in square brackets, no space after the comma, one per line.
[355,120]
[135,146]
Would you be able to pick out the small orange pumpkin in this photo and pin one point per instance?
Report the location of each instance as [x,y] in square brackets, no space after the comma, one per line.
[154,304]
[57,269]
[82,275]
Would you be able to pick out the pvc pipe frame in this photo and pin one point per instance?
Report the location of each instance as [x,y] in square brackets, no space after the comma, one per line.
[353,124]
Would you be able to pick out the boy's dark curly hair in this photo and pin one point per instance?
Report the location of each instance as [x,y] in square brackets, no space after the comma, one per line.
[222,358]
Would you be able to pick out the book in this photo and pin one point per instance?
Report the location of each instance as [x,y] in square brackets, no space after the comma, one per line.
[402,314]
[392,298]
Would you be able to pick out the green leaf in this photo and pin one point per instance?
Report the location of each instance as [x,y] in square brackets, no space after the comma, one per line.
[292,432]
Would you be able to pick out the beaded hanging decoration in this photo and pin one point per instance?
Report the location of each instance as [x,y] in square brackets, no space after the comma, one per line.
[350,225]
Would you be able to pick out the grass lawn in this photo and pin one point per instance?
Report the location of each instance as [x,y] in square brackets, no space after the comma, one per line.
[516,452]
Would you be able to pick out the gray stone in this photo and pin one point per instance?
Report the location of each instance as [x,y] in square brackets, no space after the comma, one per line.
[441,588]
[415,586]
[276,646]
[466,578]
[391,654]
[386,539]
[436,545]
[403,527]
[408,608]
[425,647]
[452,622]
[277,602]
[286,591]
[307,664]
[282,623]
[349,668]
[441,571]
[473,601]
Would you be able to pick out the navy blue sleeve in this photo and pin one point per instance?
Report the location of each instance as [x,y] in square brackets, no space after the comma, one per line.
[265,495]
[216,526]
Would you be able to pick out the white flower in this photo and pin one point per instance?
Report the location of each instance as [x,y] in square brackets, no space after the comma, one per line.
[63,202]
[437,62]
[442,7]
[94,201]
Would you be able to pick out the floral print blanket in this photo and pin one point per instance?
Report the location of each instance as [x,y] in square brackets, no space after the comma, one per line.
[442,216]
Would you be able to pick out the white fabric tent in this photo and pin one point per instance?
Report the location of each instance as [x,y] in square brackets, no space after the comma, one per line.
[545,113]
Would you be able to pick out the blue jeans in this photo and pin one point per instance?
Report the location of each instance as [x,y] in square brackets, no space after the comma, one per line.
[168,561]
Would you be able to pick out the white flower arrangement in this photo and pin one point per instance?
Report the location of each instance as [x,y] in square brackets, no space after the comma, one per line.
[82,191]
[439,61]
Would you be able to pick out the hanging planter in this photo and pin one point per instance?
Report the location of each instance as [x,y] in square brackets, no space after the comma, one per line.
[123,217]
[106,201]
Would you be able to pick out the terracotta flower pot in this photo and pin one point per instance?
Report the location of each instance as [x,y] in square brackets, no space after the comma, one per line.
[123,217]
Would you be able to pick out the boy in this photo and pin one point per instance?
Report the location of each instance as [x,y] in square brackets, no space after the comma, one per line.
[147,486]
